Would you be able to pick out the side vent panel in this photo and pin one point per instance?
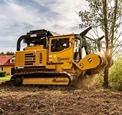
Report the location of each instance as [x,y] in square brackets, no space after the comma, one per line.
[29,59]
[41,58]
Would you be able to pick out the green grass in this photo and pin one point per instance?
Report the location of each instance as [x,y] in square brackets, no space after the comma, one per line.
[6,78]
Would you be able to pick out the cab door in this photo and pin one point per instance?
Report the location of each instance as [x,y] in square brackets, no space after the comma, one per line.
[61,49]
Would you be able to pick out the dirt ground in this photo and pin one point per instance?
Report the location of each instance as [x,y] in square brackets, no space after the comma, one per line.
[40,100]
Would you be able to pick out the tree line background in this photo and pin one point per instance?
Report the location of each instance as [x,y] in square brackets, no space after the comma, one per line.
[7,53]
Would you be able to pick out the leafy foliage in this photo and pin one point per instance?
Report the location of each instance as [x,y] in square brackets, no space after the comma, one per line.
[2,74]
[10,53]
[115,77]
[95,16]
[7,53]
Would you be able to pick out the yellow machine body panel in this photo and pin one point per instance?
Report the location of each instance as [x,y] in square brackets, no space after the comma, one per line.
[88,62]
[47,81]
[31,56]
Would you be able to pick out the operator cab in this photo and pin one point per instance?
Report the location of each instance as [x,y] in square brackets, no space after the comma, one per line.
[59,44]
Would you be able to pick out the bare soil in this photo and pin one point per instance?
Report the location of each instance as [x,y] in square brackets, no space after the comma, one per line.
[40,100]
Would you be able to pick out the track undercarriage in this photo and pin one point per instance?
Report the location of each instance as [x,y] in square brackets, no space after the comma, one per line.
[43,78]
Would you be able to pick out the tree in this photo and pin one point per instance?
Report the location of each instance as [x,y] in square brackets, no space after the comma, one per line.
[105,15]
[9,53]
[2,53]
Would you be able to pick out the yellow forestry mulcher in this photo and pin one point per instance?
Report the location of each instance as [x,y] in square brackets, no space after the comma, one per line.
[50,59]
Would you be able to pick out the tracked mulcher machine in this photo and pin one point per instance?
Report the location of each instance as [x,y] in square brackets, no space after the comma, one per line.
[50,59]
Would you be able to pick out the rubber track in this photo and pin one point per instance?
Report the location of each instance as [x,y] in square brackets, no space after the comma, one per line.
[71,76]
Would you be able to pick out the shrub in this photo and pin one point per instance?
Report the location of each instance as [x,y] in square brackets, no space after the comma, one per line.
[98,79]
[2,74]
[115,76]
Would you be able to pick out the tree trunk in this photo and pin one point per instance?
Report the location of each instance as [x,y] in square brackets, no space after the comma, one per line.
[109,63]
[105,84]
[106,71]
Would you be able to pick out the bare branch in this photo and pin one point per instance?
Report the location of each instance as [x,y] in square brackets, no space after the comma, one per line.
[114,21]
[117,38]
[105,21]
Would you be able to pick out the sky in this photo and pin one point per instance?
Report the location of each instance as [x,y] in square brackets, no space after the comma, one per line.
[17,17]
